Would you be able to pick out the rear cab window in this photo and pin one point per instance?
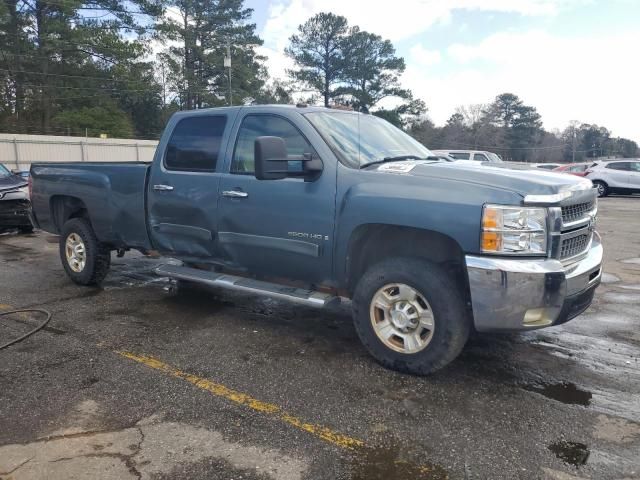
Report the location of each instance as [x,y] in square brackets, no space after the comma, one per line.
[460,155]
[194,144]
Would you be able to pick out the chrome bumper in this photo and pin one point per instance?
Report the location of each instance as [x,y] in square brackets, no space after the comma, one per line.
[524,294]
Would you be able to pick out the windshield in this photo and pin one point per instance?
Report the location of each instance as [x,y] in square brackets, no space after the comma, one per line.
[3,171]
[361,139]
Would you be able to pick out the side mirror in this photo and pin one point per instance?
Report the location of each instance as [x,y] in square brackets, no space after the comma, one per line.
[272,161]
[270,154]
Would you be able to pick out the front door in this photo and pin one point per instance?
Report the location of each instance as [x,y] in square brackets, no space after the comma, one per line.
[634,176]
[277,227]
[183,186]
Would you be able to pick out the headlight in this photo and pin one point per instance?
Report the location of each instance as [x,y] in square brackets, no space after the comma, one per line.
[514,230]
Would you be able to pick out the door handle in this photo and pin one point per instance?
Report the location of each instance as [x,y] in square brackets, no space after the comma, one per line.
[235,194]
[163,188]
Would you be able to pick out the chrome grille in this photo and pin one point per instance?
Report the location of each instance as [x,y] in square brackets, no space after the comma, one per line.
[572,213]
[575,245]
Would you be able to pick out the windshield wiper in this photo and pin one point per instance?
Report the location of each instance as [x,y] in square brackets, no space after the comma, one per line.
[397,158]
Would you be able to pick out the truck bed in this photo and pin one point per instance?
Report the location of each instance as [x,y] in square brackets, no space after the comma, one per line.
[112,193]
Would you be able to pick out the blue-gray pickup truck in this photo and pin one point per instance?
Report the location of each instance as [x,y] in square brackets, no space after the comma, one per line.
[313,205]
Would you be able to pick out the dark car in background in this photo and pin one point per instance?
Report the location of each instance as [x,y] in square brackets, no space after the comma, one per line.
[15,207]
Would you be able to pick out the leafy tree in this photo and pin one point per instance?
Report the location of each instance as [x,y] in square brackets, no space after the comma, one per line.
[106,119]
[593,140]
[204,30]
[372,70]
[404,115]
[275,92]
[317,50]
[62,55]
[520,124]
[427,133]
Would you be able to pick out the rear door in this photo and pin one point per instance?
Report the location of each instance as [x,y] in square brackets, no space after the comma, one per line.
[281,228]
[617,174]
[183,185]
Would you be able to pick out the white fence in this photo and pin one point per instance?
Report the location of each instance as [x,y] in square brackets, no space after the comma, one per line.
[20,151]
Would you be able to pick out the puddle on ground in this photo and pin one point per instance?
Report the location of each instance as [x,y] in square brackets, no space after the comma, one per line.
[630,287]
[627,298]
[573,453]
[564,392]
[389,463]
[609,278]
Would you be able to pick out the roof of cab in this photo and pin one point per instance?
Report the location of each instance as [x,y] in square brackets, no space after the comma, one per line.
[302,108]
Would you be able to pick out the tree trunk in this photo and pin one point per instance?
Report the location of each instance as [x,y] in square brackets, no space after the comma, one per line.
[41,33]
[18,77]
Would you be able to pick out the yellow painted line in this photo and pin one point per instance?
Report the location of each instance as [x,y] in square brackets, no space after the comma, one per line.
[235,396]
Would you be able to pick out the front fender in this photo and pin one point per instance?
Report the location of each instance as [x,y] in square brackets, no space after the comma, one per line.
[449,207]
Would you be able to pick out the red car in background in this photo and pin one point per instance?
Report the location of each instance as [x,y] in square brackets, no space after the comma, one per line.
[579,169]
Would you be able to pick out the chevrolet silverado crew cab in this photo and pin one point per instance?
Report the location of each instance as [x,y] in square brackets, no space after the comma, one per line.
[312,205]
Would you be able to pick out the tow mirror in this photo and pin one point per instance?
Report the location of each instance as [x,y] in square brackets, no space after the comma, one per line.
[272,161]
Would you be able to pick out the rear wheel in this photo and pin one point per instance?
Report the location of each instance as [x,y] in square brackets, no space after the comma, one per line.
[410,315]
[26,230]
[601,187]
[85,259]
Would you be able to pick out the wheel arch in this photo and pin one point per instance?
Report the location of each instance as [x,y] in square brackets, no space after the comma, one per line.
[371,243]
[65,207]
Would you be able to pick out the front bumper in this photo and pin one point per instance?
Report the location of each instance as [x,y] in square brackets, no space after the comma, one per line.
[15,213]
[525,294]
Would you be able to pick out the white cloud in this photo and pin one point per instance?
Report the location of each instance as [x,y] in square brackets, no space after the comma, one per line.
[423,56]
[564,78]
[395,22]
[591,78]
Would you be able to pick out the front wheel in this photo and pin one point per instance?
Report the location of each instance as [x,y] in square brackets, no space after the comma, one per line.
[410,315]
[85,259]
[601,187]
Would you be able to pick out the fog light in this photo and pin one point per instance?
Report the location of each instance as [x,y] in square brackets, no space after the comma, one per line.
[537,317]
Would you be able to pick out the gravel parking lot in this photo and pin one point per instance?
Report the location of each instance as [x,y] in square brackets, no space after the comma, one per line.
[132,381]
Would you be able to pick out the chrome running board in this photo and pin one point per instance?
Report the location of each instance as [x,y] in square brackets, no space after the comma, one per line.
[249,285]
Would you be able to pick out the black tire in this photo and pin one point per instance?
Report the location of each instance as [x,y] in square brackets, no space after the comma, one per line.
[26,230]
[98,255]
[601,187]
[452,324]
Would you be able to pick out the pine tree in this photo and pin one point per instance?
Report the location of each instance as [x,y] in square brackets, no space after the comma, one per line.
[203,31]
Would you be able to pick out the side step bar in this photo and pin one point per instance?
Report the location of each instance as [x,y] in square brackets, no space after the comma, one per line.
[249,285]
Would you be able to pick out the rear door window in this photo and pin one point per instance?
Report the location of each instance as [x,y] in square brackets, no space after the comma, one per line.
[480,157]
[195,144]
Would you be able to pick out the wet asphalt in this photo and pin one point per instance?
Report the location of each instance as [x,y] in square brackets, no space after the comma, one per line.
[560,403]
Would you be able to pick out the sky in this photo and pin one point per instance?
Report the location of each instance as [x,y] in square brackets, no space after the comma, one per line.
[571,59]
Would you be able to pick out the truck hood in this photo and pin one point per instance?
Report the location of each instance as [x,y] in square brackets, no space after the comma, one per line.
[11,182]
[518,180]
